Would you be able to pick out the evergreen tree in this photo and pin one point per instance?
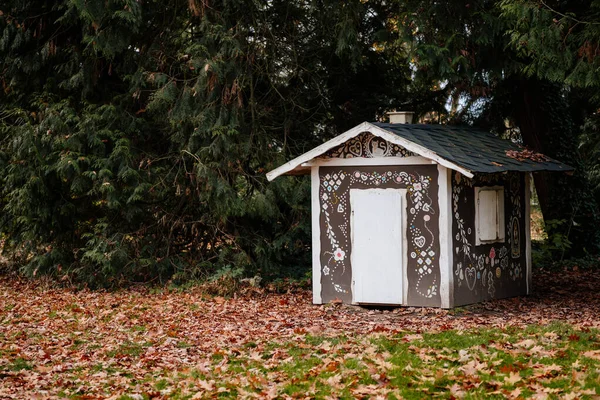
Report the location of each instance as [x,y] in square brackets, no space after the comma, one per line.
[136,135]
[558,40]
[465,48]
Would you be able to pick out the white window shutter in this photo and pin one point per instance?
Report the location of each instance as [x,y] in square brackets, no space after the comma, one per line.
[501,222]
[487,224]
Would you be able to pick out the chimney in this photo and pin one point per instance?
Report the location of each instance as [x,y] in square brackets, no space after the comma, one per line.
[400,117]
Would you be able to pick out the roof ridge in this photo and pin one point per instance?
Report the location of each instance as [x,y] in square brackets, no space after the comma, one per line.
[467,149]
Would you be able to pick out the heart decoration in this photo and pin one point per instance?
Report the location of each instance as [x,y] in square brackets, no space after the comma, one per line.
[355,148]
[420,241]
[470,277]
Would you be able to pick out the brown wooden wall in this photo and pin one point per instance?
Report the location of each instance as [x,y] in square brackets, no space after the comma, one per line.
[422,231]
[488,271]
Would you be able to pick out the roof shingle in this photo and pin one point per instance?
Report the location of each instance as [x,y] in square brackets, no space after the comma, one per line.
[470,148]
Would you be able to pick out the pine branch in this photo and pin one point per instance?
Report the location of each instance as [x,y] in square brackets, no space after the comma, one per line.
[577,21]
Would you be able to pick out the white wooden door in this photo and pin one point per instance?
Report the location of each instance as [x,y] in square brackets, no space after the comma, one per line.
[377,245]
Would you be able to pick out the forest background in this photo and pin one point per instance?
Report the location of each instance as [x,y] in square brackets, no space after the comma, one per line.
[135,135]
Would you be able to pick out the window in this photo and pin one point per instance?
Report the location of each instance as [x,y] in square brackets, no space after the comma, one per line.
[489,214]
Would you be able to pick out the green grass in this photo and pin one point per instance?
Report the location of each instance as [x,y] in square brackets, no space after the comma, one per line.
[556,360]
[19,364]
[126,349]
[473,364]
[138,328]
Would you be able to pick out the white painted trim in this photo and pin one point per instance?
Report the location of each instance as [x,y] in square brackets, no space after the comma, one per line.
[527,224]
[375,130]
[316,235]
[403,193]
[445,236]
[450,248]
[368,161]
[317,151]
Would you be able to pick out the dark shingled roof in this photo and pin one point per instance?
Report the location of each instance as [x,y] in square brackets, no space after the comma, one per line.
[472,149]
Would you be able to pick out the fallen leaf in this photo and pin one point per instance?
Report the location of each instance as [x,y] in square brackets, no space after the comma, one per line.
[512,378]
[594,354]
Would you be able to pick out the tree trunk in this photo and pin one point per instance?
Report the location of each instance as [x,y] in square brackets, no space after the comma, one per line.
[542,114]
[533,126]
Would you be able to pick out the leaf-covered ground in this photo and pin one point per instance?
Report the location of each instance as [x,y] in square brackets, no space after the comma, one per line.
[167,344]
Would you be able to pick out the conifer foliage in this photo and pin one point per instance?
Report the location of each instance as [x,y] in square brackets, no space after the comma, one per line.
[135,135]
[505,67]
[558,38]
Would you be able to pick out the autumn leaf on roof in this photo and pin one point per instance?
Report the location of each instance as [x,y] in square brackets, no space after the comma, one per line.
[526,154]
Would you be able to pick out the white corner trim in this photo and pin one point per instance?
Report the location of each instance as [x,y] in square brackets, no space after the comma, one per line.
[527,224]
[445,225]
[404,217]
[316,235]
[450,247]
[375,130]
